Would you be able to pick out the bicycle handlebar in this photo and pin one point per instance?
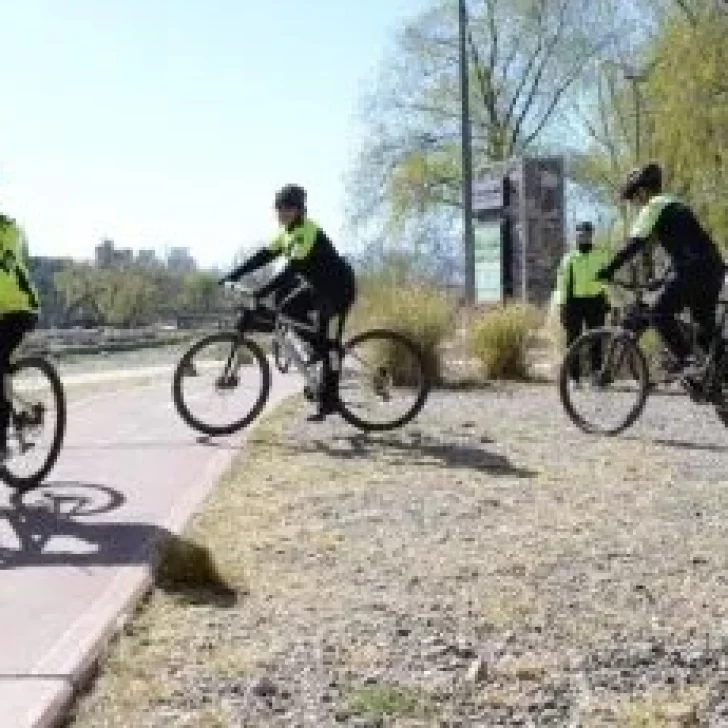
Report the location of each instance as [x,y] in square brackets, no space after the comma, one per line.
[637,287]
[250,297]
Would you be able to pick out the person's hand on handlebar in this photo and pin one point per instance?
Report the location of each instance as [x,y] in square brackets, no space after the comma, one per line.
[603,275]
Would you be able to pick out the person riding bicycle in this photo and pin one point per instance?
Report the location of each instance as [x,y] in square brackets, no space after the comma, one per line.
[310,254]
[19,307]
[696,274]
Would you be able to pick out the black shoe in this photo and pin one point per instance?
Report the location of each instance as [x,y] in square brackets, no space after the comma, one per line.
[323,411]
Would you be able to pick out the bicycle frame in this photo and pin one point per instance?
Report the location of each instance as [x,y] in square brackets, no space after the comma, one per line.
[284,324]
[640,318]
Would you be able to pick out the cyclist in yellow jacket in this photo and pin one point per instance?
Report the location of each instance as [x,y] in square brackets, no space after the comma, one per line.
[19,307]
[310,253]
[582,300]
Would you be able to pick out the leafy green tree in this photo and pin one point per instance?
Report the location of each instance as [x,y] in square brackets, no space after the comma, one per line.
[526,56]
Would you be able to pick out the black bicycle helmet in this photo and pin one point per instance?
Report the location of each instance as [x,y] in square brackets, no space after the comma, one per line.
[648,177]
[291,196]
[585,226]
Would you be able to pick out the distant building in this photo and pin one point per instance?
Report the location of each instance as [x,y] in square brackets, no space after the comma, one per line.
[148,259]
[180,261]
[109,256]
[105,252]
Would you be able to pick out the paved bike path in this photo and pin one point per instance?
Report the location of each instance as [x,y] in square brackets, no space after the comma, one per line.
[65,579]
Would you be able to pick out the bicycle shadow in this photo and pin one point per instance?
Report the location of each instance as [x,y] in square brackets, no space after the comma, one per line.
[681,444]
[46,530]
[416,449]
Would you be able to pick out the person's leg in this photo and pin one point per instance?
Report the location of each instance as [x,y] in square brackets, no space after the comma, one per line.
[574,326]
[595,316]
[332,319]
[12,329]
[671,300]
[325,350]
[702,304]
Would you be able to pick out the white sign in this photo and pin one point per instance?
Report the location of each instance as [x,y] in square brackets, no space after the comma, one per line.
[487,194]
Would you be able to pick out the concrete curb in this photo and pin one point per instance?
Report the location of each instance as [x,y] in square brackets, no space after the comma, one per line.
[71,660]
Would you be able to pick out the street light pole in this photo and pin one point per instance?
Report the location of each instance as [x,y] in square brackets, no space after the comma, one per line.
[467,157]
[635,78]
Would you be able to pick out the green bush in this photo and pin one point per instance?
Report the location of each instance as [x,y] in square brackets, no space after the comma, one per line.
[499,339]
[421,312]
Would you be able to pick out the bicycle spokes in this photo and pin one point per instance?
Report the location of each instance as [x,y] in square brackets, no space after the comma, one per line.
[37,422]
[383,380]
[229,385]
[603,381]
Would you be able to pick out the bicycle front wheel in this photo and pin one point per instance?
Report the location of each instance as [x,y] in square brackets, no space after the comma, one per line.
[384,382]
[604,381]
[37,423]
[221,384]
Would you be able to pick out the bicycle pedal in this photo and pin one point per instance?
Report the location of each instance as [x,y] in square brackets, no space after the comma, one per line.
[309,394]
[695,391]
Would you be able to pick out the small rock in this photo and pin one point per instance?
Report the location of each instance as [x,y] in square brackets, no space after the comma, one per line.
[464,650]
[264,688]
[477,671]
[403,632]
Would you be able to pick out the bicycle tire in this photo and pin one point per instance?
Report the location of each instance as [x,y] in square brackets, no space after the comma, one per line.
[722,409]
[422,395]
[235,340]
[22,484]
[643,374]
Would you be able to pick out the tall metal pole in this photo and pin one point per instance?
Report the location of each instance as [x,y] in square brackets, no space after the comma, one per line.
[635,78]
[467,157]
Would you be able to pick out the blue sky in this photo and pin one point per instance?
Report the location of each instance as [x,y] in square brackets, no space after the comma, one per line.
[172,122]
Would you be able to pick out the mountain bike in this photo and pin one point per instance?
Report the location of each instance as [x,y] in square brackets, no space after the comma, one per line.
[37,421]
[613,363]
[383,380]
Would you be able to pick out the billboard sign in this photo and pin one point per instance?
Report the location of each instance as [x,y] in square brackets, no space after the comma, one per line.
[488,262]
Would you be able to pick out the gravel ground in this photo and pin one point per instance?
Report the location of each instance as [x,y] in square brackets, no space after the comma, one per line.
[489,565]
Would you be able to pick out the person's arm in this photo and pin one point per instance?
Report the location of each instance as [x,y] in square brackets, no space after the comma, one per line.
[299,253]
[22,267]
[639,236]
[561,280]
[257,260]
[629,251]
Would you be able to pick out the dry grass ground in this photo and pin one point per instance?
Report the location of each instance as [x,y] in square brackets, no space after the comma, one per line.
[489,565]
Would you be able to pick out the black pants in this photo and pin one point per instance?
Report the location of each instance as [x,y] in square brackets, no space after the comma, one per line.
[330,311]
[699,294]
[13,327]
[585,313]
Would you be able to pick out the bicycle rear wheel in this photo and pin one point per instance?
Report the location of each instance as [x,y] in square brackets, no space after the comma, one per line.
[384,383]
[37,423]
[604,381]
[221,384]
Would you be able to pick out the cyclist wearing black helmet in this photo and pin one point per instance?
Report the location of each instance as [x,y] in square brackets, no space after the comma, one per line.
[696,274]
[311,254]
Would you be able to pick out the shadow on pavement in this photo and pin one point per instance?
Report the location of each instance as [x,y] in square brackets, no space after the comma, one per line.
[415,450]
[170,444]
[685,444]
[46,529]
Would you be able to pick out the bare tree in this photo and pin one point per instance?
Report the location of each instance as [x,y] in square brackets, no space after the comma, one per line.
[525,58]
